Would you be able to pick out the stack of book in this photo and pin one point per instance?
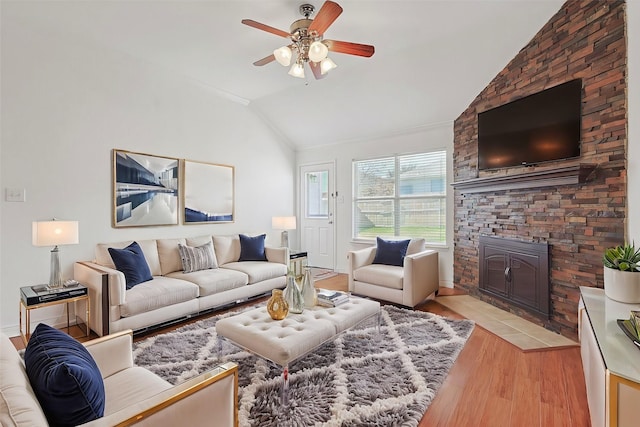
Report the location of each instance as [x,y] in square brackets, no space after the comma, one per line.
[631,327]
[38,294]
[329,298]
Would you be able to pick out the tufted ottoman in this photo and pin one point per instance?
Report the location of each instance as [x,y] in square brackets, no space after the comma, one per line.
[284,341]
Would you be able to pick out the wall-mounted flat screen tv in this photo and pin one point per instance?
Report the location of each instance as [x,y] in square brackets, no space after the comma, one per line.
[538,128]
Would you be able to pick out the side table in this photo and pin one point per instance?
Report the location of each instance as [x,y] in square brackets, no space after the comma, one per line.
[34,297]
[297,263]
[609,360]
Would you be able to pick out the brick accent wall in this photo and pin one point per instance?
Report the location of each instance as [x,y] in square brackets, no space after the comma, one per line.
[584,39]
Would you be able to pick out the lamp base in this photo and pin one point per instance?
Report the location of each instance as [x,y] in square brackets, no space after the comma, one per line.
[55,278]
[284,239]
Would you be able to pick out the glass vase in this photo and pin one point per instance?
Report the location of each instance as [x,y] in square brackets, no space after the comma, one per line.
[293,296]
[308,289]
[277,306]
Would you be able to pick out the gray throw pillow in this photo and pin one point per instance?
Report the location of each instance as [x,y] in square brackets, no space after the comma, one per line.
[198,258]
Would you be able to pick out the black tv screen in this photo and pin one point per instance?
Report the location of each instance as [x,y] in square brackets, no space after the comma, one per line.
[538,128]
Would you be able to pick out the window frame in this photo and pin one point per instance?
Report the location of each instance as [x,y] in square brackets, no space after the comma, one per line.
[397,198]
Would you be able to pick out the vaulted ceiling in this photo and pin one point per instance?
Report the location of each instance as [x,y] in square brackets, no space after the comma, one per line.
[431,57]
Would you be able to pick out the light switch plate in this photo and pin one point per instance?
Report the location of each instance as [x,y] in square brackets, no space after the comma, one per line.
[15,195]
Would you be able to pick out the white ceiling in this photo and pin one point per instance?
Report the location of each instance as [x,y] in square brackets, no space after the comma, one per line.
[432,57]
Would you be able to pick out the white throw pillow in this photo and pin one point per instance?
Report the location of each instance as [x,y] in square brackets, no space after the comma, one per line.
[198,258]
[415,246]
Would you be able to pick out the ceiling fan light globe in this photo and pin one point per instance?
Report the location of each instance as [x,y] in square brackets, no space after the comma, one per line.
[283,55]
[327,65]
[318,51]
[297,70]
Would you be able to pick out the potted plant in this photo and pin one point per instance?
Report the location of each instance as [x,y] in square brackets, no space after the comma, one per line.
[621,273]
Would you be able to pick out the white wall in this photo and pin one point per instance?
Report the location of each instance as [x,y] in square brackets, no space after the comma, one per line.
[67,104]
[633,120]
[429,138]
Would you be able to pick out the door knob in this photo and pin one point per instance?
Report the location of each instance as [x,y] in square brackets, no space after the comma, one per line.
[507,274]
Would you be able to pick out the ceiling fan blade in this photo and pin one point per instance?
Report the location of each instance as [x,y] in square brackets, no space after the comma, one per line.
[264,27]
[265,60]
[317,71]
[328,13]
[350,48]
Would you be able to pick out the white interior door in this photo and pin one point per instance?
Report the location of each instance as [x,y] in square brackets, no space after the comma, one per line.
[317,202]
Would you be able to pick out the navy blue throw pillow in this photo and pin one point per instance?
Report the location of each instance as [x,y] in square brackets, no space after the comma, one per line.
[64,377]
[132,263]
[391,252]
[252,248]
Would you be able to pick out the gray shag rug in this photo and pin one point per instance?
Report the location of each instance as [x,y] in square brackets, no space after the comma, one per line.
[360,379]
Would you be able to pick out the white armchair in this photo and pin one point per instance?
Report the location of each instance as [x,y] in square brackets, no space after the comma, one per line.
[408,285]
[134,395]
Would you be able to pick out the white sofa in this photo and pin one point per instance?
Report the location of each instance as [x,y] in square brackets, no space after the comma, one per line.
[408,285]
[173,294]
[133,395]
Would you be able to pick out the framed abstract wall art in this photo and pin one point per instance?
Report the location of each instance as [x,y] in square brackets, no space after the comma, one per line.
[145,189]
[208,192]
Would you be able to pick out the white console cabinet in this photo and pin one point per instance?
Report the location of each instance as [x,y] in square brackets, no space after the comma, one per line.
[611,361]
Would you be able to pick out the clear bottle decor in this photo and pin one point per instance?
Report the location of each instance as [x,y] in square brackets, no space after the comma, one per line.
[292,295]
[308,289]
[277,307]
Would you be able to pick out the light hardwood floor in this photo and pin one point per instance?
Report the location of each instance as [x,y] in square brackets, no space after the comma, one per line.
[493,383]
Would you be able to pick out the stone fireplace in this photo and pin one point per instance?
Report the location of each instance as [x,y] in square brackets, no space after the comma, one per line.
[575,207]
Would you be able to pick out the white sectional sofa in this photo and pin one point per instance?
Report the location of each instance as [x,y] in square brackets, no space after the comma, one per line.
[173,294]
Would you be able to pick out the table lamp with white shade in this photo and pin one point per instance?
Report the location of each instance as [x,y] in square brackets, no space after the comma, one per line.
[284,223]
[55,233]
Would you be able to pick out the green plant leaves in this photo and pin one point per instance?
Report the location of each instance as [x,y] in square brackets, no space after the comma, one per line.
[625,257]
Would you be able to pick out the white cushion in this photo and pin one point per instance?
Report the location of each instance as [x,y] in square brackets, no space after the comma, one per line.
[149,249]
[285,340]
[203,240]
[214,280]
[415,246]
[131,385]
[18,402]
[197,258]
[112,355]
[281,341]
[258,271]
[227,248]
[348,314]
[389,276]
[199,240]
[169,256]
[157,293]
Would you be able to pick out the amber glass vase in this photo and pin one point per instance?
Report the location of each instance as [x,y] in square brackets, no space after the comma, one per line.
[277,307]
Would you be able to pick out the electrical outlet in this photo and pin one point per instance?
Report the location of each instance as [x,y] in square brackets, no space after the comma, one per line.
[14,194]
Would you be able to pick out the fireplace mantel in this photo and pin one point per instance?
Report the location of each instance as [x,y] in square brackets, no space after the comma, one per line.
[569,175]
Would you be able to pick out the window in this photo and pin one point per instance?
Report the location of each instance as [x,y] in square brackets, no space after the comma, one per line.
[317,194]
[401,196]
